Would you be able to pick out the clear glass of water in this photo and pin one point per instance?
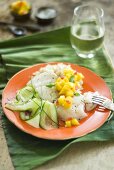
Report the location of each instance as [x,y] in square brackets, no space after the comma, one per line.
[87,30]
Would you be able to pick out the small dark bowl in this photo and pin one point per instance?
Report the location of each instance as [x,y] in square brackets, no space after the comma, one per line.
[46,15]
[21,18]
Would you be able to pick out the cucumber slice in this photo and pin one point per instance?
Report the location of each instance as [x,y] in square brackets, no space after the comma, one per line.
[46,111]
[32,106]
[23,116]
[34,121]
[37,95]
[25,94]
[48,116]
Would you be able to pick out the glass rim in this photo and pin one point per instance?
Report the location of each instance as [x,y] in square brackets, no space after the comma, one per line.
[95,7]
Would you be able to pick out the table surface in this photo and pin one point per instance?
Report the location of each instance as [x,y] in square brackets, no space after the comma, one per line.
[86,156]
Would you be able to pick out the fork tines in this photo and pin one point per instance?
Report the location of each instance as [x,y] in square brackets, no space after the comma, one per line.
[98,99]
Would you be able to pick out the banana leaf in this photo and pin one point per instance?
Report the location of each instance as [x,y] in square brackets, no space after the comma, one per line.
[28,152]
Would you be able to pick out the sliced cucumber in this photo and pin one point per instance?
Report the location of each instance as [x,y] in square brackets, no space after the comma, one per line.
[37,95]
[34,121]
[25,94]
[48,116]
[32,106]
[40,110]
[23,116]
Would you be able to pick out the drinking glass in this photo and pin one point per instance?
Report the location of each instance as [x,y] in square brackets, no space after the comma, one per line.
[87,30]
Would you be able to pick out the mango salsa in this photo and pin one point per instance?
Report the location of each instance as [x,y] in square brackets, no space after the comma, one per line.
[20,7]
[65,101]
[67,86]
[71,122]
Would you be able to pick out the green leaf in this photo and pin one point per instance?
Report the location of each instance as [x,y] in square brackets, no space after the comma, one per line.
[71,79]
[50,85]
[77,94]
[27,151]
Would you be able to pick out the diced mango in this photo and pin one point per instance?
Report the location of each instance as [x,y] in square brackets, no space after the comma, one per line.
[66,79]
[79,76]
[64,89]
[58,86]
[20,7]
[67,104]
[71,86]
[67,88]
[74,122]
[69,99]
[68,71]
[78,86]
[68,123]
[69,93]
[61,100]
[68,75]
[59,79]
[22,12]
[60,82]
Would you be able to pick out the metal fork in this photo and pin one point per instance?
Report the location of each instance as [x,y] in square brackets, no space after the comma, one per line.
[103,101]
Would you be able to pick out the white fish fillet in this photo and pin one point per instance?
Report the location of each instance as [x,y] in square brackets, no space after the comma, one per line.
[43,79]
[76,110]
[88,96]
[88,100]
[80,111]
[40,81]
[90,106]
[47,93]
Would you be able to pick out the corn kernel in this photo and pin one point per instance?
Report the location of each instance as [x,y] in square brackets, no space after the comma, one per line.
[74,122]
[68,123]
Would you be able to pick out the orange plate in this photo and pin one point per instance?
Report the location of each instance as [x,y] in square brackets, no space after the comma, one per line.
[94,120]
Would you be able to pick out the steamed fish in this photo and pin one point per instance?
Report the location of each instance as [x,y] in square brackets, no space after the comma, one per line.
[41,84]
[80,105]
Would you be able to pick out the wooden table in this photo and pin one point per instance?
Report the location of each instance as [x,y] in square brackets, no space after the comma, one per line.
[86,156]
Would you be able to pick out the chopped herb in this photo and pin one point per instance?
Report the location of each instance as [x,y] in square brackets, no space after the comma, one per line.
[77,94]
[50,85]
[71,79]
